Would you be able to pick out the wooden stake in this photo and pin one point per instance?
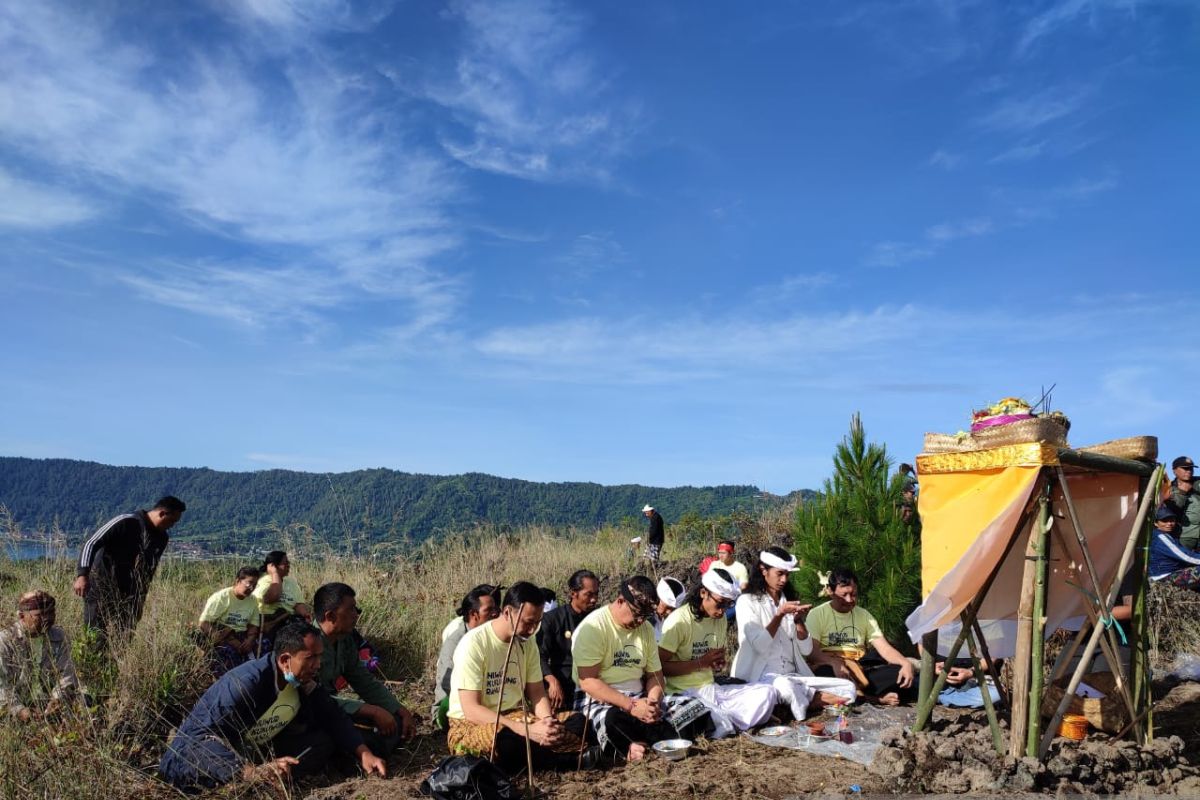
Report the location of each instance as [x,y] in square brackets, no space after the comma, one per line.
[1022,658]
[1139,644]
[1037,634]
[986,692]
[503,678]
[929,643]
[991,662]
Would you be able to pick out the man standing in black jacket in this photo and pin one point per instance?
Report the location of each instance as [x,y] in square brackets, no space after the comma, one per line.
[656,536]
[117,563]
[554,638]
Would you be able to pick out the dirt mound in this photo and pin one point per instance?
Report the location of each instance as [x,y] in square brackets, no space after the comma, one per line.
[957,756]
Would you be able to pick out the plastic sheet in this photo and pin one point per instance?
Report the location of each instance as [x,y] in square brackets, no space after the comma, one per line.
[866,723]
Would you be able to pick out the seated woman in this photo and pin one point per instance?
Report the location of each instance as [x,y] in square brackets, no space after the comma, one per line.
[773,640]
[482,710]
[278,594]
[693,646]
[229,622]
[616,665]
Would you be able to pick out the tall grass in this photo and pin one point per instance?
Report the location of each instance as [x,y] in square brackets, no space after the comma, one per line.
[150,682]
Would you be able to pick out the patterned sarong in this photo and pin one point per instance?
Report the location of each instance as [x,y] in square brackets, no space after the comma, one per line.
[468,738]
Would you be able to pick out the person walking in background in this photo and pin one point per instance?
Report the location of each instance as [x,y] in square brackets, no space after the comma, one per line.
[117,563]
[229,623]
[655,536]
[336,611]
[279,595]
[37,676]
[555,637]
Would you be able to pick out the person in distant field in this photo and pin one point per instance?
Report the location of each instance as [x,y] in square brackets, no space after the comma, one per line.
[492,699]
[692,649]
[229,622]
[1171,562]
[336,611]
[1185,497]
[670,594]
[656,534]
[117,563]
[481,604]
[617,667]
[279,595]
[555,637]
[908,492]
[844,632]
[269,709]
[37,675]
[726,561]
[773,639]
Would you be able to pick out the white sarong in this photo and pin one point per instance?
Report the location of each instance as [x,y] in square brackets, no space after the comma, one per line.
[798,690]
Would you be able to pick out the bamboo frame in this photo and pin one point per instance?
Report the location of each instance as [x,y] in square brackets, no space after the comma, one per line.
[1135,535]
[503,679]
[1037,631]
[929,643]
[1139,645]
[985,692]
[1023,657]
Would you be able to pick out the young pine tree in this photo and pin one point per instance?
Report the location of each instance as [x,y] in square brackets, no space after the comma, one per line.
[858,523]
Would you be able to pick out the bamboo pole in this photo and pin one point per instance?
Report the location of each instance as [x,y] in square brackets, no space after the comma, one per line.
[985,691]
[528,745]
[929,643]
[981,640]
[1109,643]
[1037,632]
[1139,644]
[1022,658]
[925,710]
[503,678]
[1135,536]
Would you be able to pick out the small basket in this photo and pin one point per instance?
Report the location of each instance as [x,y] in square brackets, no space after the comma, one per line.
[1074,727]
[949,443]
[1138,448]
[1037,429]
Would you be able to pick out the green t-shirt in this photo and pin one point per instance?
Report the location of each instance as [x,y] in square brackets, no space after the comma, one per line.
[479,666]
[624,655]
[275,718]
[688,638]
[843,634]
[289,596]
[226,609]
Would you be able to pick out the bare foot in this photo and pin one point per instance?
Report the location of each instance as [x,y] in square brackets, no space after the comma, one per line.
[829,699]
[889,699]
[637,751]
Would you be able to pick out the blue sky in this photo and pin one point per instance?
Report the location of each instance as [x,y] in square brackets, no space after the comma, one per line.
[666,243]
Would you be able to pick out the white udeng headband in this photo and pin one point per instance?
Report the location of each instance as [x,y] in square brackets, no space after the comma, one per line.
[777,562]
[664,592]
[718,585]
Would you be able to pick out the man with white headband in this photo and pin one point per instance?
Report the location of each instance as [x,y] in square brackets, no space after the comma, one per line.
[671,596]
[693,647]
[773,640]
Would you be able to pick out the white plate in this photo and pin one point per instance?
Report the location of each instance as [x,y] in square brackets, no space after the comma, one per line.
[775,730]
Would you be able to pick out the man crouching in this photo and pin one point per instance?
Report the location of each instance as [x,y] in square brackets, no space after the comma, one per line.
[37,676]
[270,706]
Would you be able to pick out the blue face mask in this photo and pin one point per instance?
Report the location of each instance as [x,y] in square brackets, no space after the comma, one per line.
[291,678]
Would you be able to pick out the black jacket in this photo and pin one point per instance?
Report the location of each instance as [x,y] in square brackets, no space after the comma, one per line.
[554,641]
[123,553]
[656,535]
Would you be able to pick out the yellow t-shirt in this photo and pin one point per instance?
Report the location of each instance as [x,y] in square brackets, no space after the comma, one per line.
[479,665]
[289,596]
[737,569]
[690,638]
[623,655]
[226,609]
[843,634]
[275,718]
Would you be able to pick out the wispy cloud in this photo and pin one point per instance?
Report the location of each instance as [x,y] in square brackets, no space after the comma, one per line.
[529,95]
[590,254]
[292,166]
[944,159]
[24,204]
[936,237]
[1023,114]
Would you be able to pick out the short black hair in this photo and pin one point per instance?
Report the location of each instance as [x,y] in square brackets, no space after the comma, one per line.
[728,542]
[290,637]
[523,592]
[170,504]
[842,576]
[329,598]
[275,557]
[470,602]
[639,592]
[905,469]
[249,572]
[575,582]
[549,595]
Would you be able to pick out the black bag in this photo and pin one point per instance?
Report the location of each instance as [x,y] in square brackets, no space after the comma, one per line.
[468,778]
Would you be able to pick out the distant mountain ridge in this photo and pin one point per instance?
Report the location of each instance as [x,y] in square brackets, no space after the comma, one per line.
[227,510]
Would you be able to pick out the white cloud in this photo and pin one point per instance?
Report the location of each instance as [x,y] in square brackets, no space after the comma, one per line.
[1025,113]
[894,254]
[305,168]
[30,205]
[946,160]
[1025,151]
[1044,24]
[949,231]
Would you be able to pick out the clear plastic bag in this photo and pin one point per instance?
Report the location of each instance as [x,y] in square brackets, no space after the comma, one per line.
[1186,666]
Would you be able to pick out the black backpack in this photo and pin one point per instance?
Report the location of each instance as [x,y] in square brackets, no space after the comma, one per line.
[468,778]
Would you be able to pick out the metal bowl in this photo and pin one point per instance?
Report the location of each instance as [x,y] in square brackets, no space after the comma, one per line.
[673,749]
[775,730]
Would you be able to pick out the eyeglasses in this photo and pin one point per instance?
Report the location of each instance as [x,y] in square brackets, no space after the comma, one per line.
[723,603]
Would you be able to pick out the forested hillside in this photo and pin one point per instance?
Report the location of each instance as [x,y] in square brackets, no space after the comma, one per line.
[228,510]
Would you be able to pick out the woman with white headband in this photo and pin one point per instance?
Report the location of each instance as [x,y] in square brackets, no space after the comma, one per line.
[773,640]
[692,648]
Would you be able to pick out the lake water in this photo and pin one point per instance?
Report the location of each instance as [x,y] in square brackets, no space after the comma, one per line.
[25,551]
